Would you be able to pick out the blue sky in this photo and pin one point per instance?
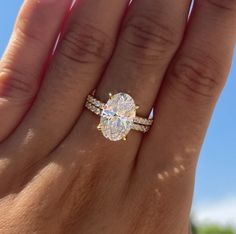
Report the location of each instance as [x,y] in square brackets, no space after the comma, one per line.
[216,175]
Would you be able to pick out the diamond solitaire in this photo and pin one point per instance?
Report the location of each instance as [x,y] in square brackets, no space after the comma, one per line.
[117,116]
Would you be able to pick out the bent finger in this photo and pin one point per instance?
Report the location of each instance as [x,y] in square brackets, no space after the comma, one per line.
[185,104]
[195,80]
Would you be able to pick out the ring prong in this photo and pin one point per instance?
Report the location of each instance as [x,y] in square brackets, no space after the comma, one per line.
[125,139]
[99,127]
[110,95]
[137,107]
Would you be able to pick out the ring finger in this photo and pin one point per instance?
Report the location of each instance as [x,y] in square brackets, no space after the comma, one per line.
[150,35]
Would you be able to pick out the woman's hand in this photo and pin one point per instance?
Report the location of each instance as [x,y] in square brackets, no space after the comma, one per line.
[58,174]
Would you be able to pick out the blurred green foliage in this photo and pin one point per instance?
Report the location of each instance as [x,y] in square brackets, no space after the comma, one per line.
[212,229]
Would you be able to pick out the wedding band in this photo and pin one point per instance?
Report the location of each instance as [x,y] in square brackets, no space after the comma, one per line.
[118,116]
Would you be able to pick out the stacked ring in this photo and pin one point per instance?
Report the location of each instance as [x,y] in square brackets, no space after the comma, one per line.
[118,116]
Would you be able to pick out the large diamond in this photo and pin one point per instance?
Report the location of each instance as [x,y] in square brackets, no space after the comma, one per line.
[117,116]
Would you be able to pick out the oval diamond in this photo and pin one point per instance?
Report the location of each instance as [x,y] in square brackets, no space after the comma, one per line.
[117,116]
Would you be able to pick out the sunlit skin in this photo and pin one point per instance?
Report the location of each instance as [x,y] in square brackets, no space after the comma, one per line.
[58,174]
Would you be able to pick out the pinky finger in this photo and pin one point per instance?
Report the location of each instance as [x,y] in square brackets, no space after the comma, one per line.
[22,65]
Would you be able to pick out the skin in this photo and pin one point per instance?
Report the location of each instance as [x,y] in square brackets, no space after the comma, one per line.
[58,174]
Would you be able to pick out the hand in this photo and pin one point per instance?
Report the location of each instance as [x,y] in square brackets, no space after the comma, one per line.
[58,174]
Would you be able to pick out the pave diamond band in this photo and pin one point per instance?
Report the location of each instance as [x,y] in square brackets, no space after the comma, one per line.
[136,126]
[95,102]
[117,116]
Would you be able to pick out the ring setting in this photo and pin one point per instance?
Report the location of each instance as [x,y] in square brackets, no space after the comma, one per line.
[118,116]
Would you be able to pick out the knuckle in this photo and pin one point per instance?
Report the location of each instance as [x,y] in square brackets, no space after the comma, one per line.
[14,85]
[65,73]
[147,38]
[196,77]
[84,43]
[35,20]
[28,32]
[225,5]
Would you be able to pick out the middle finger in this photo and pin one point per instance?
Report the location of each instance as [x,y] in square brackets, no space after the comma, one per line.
[78,62]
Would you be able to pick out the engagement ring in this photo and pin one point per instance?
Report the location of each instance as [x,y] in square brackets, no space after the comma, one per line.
[117,116]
